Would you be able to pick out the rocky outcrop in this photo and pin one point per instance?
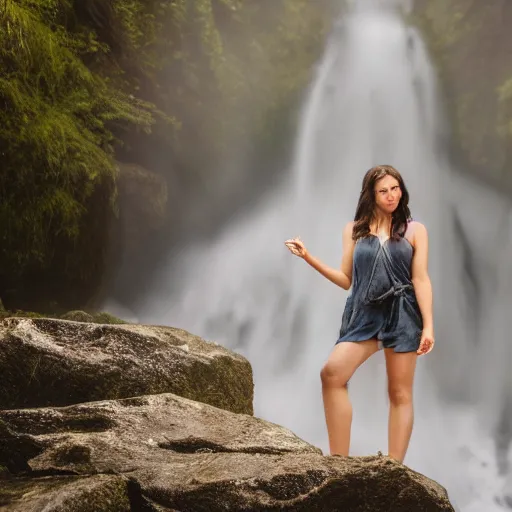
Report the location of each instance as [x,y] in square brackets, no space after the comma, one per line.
[179,454]
[112,436]
[160,451]
[56,362]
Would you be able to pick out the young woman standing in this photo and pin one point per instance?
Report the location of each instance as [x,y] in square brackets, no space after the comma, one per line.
[384,260]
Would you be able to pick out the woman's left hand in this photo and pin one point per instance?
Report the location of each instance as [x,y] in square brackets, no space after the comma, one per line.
[427,342]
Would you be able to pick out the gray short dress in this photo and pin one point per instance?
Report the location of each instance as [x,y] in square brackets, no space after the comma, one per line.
[382,303]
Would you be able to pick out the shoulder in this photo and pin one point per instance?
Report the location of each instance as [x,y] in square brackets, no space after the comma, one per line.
[416,233]
[348,229]
[349,226]
[414,227]
[347,232]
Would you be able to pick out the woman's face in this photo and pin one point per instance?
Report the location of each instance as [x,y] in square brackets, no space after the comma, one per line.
[387,194]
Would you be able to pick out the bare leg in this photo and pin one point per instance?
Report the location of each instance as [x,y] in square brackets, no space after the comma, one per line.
[400,368]
[345,358]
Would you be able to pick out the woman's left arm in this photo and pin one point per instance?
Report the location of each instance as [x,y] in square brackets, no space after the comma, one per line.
[423,287]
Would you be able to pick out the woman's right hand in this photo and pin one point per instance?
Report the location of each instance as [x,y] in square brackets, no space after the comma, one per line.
[297,247]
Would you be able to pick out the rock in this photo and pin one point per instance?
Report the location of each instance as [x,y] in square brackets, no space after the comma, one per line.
[107,318]
[98,493]
[97,318]
[159,451]
[178,454]
[290,482]
[56,362]
[77,316]
[106,436]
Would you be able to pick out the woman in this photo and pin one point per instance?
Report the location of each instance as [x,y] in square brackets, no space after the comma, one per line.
[390,306]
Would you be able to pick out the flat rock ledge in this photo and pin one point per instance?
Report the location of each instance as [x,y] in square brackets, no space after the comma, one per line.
[167,453]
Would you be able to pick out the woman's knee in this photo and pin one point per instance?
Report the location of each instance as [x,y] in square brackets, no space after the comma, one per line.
[333,374]
[400,395]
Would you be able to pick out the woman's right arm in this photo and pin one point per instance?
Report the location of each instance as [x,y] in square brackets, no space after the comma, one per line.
[343,276]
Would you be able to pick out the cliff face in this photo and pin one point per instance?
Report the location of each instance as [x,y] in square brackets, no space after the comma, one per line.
[471,44]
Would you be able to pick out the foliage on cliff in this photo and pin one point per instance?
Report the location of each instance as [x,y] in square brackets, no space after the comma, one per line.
[472,44]
[85,83]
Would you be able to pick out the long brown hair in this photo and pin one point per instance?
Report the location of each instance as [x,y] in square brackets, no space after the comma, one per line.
[366,205]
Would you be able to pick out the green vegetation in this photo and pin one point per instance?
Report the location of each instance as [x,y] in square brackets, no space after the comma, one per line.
[86,83]
[57,126]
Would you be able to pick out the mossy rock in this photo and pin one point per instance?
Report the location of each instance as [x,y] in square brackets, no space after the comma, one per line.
[98,493]
[46,362]
[77,316]
[107,318]
[21,314]
[97,318]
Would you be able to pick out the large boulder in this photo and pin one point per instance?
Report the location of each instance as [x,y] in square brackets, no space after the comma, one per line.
[100,437]
[177,454]
[291,482]
[56,362]
[97,493]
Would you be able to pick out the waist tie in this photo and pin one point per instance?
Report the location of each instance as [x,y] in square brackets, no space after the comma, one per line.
[396,291]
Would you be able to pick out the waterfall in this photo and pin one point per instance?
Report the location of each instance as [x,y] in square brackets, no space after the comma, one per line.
[373,101]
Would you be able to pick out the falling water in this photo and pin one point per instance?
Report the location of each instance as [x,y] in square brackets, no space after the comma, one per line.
[373,100]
